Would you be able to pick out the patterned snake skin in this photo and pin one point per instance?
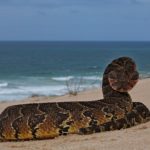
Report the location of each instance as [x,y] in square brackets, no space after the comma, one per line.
[49,120]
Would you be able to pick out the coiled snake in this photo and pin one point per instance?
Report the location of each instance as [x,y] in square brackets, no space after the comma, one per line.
[49,120]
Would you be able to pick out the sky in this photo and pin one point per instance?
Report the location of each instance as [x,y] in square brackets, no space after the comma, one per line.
[75,20]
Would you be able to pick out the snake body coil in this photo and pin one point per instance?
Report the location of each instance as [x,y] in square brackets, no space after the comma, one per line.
[49,120]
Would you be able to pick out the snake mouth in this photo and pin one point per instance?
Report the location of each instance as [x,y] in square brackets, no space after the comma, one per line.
[122,86]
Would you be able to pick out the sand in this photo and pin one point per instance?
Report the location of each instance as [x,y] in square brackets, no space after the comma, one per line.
[135,138]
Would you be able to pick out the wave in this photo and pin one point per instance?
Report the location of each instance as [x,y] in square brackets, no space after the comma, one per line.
[27,91]
[5,84]
[67,78]
[62,78]
[145,75]
[45,90]
[92,78]
[21,88]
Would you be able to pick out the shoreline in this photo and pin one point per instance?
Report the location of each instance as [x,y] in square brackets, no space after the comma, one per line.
[138,93]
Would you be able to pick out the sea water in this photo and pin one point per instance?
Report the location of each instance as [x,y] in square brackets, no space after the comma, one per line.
[46,68]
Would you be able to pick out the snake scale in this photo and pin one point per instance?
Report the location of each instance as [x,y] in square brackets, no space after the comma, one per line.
[49,120]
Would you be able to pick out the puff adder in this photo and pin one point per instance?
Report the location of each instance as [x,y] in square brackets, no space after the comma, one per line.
[49,120]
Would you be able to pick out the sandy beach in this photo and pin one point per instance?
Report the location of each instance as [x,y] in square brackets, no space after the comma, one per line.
[135,138]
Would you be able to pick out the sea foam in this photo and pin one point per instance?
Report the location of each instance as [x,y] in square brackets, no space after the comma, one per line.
[3,84]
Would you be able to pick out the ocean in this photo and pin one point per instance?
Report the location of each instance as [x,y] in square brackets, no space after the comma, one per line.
[48,68]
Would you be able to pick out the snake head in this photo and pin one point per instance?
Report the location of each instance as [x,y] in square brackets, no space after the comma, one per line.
[124,76]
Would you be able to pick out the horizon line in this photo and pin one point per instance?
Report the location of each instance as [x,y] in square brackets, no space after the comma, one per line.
[74,40]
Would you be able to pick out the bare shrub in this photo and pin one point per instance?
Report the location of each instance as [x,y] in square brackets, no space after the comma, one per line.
[74,85]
